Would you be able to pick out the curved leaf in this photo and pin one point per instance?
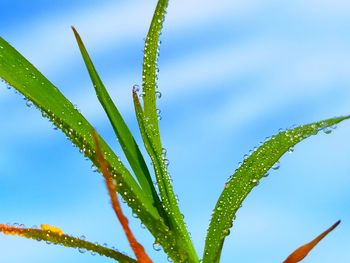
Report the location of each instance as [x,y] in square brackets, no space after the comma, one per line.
[247,177]
[56,236]
[23,76]
[150,70]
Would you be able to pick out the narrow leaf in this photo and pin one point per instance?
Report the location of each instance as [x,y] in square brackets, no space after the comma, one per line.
[247,176]
[138,249]
[150,70]
[23,76]
[173,214]
[300,253]
[122,131]
[56,236]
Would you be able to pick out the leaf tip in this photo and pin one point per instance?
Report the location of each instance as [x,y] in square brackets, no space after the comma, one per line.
[300,253]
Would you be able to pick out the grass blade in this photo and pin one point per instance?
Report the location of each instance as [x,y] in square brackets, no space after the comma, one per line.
[173,214]
[300,253]
[247,177]
[56,236]
[150,70]
[23,76]
[122,131]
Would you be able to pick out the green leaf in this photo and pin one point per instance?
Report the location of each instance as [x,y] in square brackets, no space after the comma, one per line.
[122,131]
[247,176]
[150,70]
[173,214]
[23,76]
[54,235]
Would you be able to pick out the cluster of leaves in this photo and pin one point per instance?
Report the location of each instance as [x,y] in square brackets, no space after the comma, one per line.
[157,209]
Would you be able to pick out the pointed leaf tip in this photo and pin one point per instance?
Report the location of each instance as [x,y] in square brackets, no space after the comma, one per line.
[300,253]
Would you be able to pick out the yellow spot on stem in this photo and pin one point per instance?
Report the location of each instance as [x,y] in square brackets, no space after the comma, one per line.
[53,229]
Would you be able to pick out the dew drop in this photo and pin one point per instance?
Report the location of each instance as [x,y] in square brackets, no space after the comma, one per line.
[164,151]
[291,150]
[276,166]
[156,246]
[134,215]
[82,250]
[136,88]
[254,181]
[158,94]
[219,208]
[166,162]
[327,130]
[159,116]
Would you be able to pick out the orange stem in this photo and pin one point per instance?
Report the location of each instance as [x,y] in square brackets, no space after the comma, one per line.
[300,253]
[138,249]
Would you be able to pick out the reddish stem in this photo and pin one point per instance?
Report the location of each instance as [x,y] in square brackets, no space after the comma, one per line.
[138,249]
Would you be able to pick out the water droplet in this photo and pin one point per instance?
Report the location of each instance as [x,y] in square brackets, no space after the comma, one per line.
[79,123]
[158,94]
[136,88]
[166,162]
[164,151]
[227,232]
[134,215]
[291,150]
[159,114]
[254,181]
[82,250]
[219,208]
[156,246]
[276,166]
[327,130]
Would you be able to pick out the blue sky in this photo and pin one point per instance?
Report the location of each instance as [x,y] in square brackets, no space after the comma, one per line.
[231,74]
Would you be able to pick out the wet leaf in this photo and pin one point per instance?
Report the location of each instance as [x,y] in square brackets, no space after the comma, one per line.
[247,176]
[52,236]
